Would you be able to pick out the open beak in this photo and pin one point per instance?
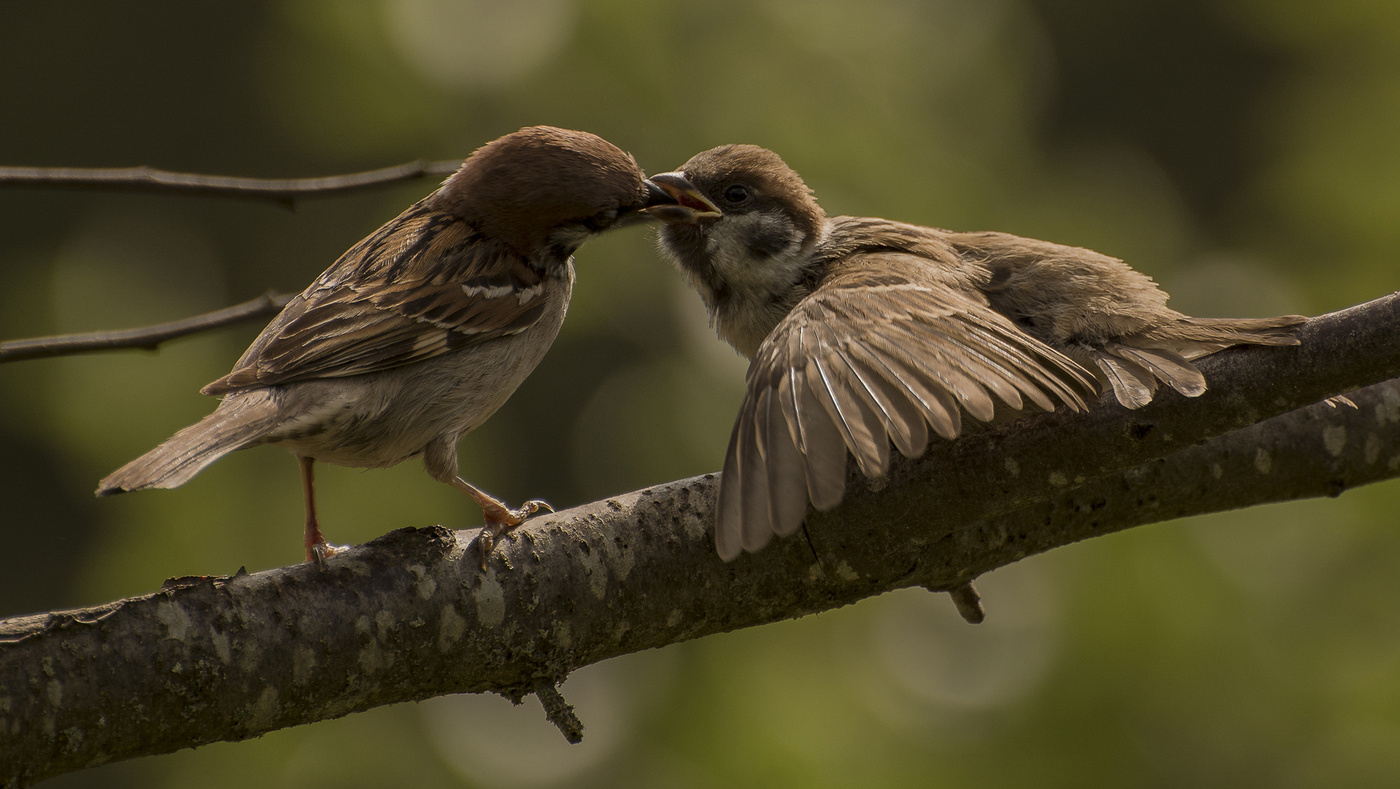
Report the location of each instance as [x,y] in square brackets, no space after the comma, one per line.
[656,198]
[683,203]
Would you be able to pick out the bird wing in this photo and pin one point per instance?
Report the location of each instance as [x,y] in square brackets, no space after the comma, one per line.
[1082,301]
[421,286]
[883,350]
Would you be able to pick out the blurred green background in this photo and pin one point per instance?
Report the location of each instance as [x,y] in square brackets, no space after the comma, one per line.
[1246,153]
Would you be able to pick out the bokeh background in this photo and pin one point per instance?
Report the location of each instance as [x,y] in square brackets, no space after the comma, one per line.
[1246,153]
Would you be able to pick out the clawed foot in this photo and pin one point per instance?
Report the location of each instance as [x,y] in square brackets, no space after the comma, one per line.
[502,520]
[319,552]
[527,509]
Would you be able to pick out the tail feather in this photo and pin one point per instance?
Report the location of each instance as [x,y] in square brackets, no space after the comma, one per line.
[237,423]
[1196,337]
[1136,363]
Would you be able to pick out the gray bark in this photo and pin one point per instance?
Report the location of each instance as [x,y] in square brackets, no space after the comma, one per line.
[412,615]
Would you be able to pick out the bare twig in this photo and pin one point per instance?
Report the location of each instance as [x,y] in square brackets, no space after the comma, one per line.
[559,712]
[147,337]
[968,603]
[149,179]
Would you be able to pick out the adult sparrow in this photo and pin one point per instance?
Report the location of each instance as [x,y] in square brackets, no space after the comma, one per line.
[422,330]
[864,331]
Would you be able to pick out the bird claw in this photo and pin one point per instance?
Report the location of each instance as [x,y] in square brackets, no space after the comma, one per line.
[503,522]
[530,508]
[321,551]
[485,541]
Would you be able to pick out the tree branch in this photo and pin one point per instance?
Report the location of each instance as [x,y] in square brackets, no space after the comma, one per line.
[284,190]
[148,337]
[411,615]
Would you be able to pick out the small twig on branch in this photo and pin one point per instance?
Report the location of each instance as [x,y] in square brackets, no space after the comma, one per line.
[149,179]
[968,603]
[559,712]
[147,337]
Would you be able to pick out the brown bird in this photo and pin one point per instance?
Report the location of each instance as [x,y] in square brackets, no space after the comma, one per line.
[423,329]
[864,331]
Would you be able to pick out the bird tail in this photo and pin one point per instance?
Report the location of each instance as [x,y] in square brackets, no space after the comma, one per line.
[238,422]
[1214,334]
[1140,362]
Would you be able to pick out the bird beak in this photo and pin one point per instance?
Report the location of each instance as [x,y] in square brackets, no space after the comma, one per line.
[684,204]
[655,197]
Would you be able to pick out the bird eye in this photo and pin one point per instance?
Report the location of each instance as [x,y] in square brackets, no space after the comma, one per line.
[735,194]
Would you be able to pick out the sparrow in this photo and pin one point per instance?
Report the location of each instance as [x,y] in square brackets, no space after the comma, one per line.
[423,329]
[864,332]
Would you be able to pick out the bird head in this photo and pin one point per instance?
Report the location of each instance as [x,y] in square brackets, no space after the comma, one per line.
[741,225]
[543,191]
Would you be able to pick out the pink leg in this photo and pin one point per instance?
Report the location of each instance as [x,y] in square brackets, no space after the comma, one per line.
[317,549]
[499,518]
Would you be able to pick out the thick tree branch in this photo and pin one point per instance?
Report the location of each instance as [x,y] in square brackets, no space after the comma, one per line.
[283,190]
[412,615]
[148,337]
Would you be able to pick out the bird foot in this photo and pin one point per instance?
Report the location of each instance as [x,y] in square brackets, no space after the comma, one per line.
[503,521]
[321,551]
[527,509]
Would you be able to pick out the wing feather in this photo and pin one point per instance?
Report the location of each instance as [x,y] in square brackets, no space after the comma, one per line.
[757,528]
[897,412]
[1168,366]
[422,285]
[1132,384]
[864,362]
[824,450]
[729,520]
[787,483]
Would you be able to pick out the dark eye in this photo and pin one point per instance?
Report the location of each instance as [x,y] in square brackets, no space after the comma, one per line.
[736,194]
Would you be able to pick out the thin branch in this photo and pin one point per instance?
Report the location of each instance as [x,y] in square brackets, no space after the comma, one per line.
[148,337]
[412,615]
[149,179]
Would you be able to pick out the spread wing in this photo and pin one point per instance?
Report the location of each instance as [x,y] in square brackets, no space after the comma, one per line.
[880,353]
[421,286]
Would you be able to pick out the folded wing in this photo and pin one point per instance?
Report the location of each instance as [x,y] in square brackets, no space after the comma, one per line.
[421,286]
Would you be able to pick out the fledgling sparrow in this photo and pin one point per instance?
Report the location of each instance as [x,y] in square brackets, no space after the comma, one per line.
[864,331]
[422,330]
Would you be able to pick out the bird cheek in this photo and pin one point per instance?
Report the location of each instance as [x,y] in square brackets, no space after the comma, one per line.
[681,242]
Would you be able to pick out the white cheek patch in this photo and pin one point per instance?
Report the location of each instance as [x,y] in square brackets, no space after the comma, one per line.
[735,260]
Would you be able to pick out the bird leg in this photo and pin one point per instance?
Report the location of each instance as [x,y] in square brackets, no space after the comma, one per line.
[317,549]
[499,518]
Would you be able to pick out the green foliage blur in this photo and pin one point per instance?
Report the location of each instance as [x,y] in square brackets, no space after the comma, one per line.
[1246,153]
